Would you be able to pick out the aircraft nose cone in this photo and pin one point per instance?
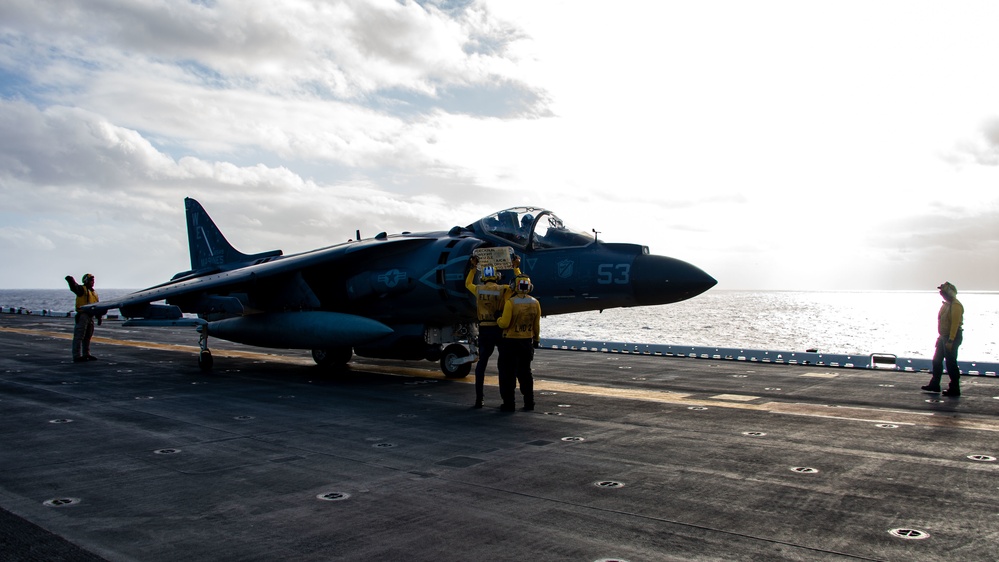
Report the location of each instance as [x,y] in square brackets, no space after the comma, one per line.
[662,280]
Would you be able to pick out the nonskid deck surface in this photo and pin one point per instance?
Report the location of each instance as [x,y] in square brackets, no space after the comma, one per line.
[141,456]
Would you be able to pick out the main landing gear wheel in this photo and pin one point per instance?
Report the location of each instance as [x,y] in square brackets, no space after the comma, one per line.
[205,360]
[332,356]
[450,365]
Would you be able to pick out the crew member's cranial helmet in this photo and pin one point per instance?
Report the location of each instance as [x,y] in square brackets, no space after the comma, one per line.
[489,273]
[523,284]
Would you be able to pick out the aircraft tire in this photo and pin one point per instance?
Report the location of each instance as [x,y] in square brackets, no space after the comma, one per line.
[205,360]
[449,359]
[332,356]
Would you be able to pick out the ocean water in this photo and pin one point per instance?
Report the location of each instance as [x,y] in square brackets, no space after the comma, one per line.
[901,323]
[52,300]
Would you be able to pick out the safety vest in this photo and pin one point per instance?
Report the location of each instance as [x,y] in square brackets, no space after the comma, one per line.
[950,318]
[489,302]
[489,298]
[521,318]
[88,297]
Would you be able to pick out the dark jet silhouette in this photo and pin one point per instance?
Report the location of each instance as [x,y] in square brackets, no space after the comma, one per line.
[400,296]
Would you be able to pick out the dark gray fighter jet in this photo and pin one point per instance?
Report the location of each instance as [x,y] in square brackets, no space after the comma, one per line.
[399,296]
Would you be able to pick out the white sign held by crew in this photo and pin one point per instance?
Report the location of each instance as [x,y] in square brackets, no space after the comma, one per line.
[500,258]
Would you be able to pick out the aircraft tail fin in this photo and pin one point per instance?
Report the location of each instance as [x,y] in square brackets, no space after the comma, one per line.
[209,248]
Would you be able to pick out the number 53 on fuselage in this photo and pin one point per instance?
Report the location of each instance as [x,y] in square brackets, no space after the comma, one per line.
[400,296]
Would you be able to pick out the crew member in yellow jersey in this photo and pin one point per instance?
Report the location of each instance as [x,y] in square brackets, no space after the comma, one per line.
[489,299]
[949,321]
[84,329]
[521,325]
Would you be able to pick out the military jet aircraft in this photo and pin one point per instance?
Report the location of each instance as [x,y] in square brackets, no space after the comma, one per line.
[400,296]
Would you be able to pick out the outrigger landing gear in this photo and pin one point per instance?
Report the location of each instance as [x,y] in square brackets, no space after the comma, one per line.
[205,360]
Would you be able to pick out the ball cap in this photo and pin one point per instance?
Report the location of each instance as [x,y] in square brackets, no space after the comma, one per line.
[948,288]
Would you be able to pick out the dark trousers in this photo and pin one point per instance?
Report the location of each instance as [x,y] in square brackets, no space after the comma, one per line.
[82,332]
[489,338]
[515,367]
[940,356]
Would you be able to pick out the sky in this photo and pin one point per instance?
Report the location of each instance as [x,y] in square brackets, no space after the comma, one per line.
[778,145]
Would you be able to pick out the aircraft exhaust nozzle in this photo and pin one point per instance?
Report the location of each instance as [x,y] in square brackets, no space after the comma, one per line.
[664,280]
[299,330]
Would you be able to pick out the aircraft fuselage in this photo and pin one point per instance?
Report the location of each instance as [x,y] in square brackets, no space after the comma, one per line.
[402,295]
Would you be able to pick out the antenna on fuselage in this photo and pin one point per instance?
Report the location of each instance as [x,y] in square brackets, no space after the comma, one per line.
[595,233]
[357,234]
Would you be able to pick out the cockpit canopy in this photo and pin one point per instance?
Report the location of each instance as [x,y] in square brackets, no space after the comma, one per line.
[531,227]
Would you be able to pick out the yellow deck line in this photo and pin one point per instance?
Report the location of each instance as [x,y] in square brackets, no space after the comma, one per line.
[166,346]
[931,419]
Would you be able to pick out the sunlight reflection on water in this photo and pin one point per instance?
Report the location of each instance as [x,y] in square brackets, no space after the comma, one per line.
[902,323]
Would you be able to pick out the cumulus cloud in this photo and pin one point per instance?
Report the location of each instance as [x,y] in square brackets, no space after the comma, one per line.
[990,136]
[79,189]
[63,146]
[356,84]
[341,50]
[981,149]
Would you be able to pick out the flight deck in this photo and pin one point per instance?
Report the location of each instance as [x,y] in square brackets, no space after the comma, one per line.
[140,455]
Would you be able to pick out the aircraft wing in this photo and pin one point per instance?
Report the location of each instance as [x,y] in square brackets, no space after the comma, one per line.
[137,304]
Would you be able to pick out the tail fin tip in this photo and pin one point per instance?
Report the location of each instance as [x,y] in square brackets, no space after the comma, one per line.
[208,246]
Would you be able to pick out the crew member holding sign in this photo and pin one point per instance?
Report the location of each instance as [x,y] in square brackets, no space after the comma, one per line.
[489,299]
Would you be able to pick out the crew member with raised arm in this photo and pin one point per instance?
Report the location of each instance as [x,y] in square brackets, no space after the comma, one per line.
[489,299]
[83,331]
